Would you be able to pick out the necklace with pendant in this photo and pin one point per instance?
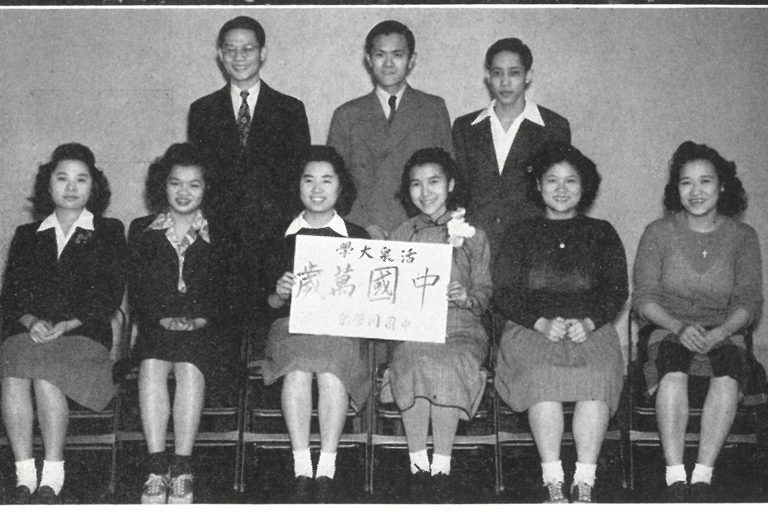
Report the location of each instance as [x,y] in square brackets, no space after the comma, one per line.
[561,244]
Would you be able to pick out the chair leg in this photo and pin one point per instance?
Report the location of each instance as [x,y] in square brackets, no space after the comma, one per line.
[239,447]
[497,447]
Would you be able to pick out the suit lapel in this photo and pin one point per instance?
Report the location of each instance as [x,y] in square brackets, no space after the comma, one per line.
[483,145]
[225,114]
[46,248]
[524,146]
[406,115]
[375,129]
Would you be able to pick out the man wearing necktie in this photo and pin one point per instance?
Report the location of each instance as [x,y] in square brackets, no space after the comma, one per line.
[253,136]
[378,132]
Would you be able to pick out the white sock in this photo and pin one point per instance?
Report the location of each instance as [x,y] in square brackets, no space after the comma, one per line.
[53,475]
[441,464]
[585,473]
[676,474]
[701,473]
[326,466]
[552,472]
[302,463]
[26,474]
[419,461]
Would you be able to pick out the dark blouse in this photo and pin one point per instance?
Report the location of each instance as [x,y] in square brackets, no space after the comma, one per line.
[87,282]
[280,260]
[574,268]
[152,286]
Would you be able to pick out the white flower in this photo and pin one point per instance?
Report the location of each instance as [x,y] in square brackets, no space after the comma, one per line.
[459,229]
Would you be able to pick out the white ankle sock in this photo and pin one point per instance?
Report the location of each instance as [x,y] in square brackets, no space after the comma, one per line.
[585,473]
[302,463]
[676,474]
[53,475]
[552,472]
[441,464]
[419,461]
[326,466]
[26,474]
[701,473]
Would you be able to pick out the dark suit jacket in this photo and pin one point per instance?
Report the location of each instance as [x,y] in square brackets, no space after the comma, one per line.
[153,283]
[260,187]
[375,152]
[499,201]
[86,283]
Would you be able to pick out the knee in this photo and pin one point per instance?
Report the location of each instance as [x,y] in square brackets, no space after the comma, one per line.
[674,381]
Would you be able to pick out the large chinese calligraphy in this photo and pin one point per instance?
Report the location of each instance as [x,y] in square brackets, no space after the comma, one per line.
[370,288]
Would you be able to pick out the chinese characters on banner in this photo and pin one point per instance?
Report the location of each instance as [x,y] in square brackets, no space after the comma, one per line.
[370,288]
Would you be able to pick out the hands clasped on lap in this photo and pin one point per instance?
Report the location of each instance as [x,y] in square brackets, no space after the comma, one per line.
[43,331]
[697,339]
[557,329]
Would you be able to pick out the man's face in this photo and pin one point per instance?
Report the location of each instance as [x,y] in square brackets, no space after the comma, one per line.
[242,57]
[390,61]
[508,79]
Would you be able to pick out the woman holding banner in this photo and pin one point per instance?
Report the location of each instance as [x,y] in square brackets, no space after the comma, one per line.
[443,382]
[325,190]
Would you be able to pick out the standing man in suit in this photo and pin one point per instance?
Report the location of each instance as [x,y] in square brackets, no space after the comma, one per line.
[253,136]
[378,132]
[494,145]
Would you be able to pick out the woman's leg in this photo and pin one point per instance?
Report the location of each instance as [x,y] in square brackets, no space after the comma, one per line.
[717,418]
[154,402]
[53,417]
[672,415]
[188,402]
[445,422]
[332,408]
[547,424]
[416,423]
[297,410]
[590,421]
[18,416]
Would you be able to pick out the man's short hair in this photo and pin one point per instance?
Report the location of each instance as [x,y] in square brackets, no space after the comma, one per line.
[510,44]
[390,27]
[245,23]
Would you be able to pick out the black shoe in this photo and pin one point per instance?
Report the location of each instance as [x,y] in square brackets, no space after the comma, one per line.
[419,487]
[301,492]
[700,492]
[676,493]
[47,496]
[325,490]
[443,489]
[21,496]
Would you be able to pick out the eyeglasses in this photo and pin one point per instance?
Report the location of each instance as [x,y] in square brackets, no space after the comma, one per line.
[246,51]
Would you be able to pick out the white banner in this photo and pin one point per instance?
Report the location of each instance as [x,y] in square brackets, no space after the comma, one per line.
[370,288]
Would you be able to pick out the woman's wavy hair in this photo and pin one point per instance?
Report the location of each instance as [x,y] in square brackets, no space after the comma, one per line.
[553,154]
[329,155]
[437,156]
[42,202]
[182,154]
[733,199]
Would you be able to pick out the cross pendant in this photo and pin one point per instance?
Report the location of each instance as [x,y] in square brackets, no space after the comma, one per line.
[704,253]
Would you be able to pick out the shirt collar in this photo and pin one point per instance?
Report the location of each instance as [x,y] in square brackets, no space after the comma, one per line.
[199,224]
[384,95]
[253,94]
[84,221]
[530,112]
[423,220]
[336,223]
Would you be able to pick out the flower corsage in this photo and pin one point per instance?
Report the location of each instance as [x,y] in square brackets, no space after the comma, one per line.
[458,228]
[83,237]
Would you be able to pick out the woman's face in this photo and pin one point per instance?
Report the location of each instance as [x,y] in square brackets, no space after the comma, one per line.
[699,188]
[71,185]
[560,188]
[185,189]
[430,189]
[319,188]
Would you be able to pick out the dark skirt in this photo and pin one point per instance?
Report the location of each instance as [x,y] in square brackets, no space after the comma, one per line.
[78,366]
[531,369]
[701,365]
[214,355]
[447,374]
[346,358]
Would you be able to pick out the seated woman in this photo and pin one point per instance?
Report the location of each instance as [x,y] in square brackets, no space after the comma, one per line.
[441,382]
[64,280]
[698,279]
[325,190]
[561,281]
[175,296]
